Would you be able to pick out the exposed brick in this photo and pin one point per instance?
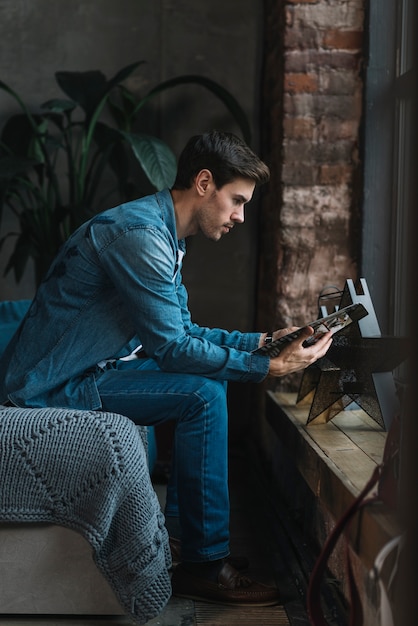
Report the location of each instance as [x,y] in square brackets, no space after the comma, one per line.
[343,40]
[301,151]
[327,15]
[327,129]
[312,60]
[297,216]
[308,37]
[331,264]
[332,129]
[303,174]
[332,174]
[303,1]
[299,83]
[298,105]
[318,153]
[319,198]
[289,15]
[313,200]
[338,82]
[333,151]
[320,106]
[299,127]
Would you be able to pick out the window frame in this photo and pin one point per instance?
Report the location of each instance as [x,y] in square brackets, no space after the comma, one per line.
[388,106]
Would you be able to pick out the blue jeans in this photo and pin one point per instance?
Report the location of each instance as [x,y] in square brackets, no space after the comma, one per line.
[198,488]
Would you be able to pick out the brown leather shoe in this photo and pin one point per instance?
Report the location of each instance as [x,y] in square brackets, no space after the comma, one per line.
[238,562]
[232,588]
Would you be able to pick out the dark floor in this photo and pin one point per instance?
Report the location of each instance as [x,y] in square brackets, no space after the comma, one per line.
[256,533]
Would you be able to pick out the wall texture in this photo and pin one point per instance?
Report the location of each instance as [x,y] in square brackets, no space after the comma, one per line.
[218,40]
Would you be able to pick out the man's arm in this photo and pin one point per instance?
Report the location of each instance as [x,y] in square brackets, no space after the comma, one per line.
[142,264]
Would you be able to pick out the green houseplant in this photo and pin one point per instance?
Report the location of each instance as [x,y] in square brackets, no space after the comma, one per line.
[53,162]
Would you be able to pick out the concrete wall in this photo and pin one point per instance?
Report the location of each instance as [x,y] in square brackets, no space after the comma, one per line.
[218,40]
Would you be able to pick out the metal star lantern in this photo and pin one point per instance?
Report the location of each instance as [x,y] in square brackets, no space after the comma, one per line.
[357,368]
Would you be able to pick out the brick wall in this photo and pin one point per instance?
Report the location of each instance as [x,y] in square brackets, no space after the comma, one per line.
[310,220]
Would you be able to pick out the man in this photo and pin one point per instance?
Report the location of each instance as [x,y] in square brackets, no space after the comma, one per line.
[110,329]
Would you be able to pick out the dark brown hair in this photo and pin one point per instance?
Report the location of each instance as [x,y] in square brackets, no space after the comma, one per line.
[225,155]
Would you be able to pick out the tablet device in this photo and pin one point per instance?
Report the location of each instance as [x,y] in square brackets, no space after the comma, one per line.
[334,322]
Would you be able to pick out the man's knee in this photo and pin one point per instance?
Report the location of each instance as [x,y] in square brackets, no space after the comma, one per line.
[212,391]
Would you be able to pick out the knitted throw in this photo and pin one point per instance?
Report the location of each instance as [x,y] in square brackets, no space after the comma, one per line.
[88,471]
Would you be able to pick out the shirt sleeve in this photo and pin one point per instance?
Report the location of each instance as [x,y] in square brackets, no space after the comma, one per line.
[145,267]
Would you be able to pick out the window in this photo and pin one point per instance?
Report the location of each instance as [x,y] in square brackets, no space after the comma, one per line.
[388,166]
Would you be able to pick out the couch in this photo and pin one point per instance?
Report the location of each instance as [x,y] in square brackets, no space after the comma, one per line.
[81,529]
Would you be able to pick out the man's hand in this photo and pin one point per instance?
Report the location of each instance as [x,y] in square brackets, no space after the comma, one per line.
[294,356]
[277,334]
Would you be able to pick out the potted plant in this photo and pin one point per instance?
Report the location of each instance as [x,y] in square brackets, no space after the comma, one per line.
[53,162]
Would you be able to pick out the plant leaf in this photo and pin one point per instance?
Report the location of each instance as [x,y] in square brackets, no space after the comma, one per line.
[58,105]
[85,88]
[112,151]
[22,251]
[123,74]
[18,133]
[89,88]
[155,157]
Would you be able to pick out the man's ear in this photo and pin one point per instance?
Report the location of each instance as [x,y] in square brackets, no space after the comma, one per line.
[202,181]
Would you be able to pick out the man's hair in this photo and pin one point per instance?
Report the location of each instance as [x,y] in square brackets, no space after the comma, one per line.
[225,155]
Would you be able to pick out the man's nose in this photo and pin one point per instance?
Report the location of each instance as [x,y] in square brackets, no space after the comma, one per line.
[238,216]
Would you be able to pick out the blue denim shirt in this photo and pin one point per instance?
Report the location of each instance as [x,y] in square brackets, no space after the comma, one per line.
[116,283]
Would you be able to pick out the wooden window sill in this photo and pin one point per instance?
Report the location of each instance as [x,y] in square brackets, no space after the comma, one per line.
[336,460]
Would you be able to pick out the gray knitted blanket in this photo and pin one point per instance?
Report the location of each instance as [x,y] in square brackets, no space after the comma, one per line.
[88,471]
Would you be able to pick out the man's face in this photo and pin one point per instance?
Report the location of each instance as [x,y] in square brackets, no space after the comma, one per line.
[222,208]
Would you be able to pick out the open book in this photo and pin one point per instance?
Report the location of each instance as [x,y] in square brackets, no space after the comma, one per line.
[334,322]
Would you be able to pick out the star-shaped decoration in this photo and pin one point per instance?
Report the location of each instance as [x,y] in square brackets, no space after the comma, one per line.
[357,368]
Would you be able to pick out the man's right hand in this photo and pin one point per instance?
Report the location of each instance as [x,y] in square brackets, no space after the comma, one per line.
[294,357]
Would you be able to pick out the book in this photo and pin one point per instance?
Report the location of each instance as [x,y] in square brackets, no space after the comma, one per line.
[333,322]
